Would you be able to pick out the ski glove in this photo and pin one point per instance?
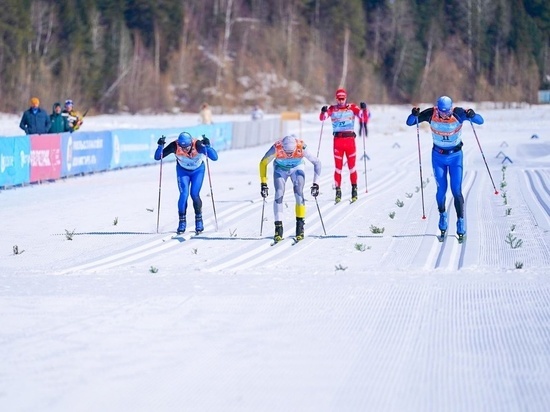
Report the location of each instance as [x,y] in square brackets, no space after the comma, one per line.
[161,141]
[324,109]
[470,113]
[415,111]
[205,141]
[314,190]
[363,105]
[265,191]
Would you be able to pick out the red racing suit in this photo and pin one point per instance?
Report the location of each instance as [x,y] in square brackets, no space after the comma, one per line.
[343,130]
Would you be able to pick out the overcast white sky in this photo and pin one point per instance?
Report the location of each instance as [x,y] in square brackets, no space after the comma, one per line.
[348,321]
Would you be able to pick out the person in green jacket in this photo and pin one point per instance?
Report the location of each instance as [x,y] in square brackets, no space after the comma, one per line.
[59,122]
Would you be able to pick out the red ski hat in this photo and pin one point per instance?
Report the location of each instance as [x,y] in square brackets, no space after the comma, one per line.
[341,93]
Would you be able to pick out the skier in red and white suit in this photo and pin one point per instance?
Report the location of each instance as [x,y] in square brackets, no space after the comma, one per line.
[342,115]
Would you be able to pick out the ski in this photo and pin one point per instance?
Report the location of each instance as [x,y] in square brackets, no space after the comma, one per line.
[184,235]
[441,237]
[275,241]
[461,238]
[296,240]
[352,200]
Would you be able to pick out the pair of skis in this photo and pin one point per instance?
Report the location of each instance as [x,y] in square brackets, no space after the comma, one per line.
[179,235]
[295,240]
[460,237]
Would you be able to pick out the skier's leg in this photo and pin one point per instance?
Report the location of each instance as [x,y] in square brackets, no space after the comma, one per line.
[279,181]
[338,161]
[456,171]
[351,155]
[298,181]
[440,175]
[183,179]
[197,178]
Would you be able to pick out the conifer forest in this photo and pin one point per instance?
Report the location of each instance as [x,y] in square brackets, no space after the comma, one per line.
[156,56]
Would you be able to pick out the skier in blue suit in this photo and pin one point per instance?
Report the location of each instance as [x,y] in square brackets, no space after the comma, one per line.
[446,126]
[190,155]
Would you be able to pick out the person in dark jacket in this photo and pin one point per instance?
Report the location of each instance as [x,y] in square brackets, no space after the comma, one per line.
[35,120]
[59,122]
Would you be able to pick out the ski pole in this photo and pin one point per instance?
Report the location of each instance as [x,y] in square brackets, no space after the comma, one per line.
[211,192]
[320,217]
[320,136]
[483,155]
[363,131]
[160,186]
[420,165]
[262,223]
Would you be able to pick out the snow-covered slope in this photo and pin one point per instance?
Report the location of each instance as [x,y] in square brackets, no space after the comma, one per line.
[121,317]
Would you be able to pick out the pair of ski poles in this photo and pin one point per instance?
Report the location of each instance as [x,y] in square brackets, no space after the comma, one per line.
[209,182]
[420,164]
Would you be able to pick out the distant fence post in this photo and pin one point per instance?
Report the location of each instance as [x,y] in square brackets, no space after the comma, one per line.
[285,116]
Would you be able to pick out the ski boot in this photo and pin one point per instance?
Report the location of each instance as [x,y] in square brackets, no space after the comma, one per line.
[278,232]
[353,193]
[460,229]
[182,225]
[199,226]
[338,195]
[443,222]
[299,228]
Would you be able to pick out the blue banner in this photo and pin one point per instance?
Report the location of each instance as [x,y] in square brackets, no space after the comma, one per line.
[15,154]
[133,147]
[85,152]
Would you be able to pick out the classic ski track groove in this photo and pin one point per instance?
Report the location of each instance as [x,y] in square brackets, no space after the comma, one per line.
[157,245]
[265,252]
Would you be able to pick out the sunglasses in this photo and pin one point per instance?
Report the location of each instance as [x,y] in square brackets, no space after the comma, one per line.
[341,99]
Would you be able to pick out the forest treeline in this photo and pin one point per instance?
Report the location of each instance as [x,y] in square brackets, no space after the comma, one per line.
[165,55]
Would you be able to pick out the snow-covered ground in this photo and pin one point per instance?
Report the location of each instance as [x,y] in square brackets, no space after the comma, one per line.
[120,317]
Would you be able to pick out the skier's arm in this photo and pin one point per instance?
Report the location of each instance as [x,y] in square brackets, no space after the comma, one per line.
[316,165]
[461,114]
[171,148]
[268,157]
[203,146]
[423,116]
[326,111]
[211,153]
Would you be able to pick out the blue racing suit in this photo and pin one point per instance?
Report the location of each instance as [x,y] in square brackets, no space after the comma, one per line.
[447,156]
[189,170]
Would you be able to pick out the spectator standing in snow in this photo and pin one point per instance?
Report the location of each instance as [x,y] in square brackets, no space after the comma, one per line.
[363,130]
[289,154]
[35,120]
[446,126]
[59,123]
[342,116]
[190,154]
[205,114]
[257,113]
[73,117]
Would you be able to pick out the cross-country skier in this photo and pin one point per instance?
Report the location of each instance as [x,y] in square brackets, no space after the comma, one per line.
[190,155]
[342,116]
[289,154]
[446,126]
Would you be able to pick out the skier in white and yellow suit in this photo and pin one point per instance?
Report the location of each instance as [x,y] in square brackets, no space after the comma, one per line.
[289,154]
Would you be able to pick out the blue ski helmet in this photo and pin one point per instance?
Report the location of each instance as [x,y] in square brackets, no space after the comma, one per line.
[185,139]
[444,104]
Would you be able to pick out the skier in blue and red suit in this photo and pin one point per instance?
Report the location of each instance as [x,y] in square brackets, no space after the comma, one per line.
[446,126]
[190,155]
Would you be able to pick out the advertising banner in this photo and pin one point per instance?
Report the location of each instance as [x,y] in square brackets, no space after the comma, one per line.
[45,157]
[14,160]
[85,152]
[133,147]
